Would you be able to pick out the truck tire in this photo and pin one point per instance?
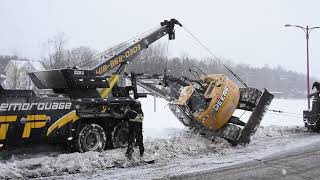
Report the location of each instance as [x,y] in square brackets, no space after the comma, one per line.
[91,137]
[120,135]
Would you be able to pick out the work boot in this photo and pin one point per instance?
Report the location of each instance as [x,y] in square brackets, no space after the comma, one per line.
[141,152]
[128,154]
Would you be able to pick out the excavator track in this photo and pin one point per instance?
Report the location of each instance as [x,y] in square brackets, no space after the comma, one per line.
[255,118]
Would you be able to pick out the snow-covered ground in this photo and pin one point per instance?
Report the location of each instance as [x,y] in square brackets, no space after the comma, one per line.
[174,149]
[162,122]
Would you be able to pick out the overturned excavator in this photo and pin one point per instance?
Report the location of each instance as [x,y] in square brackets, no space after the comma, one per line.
[206,103]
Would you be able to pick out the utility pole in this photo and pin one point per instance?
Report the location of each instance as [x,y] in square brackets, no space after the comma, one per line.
[307,31]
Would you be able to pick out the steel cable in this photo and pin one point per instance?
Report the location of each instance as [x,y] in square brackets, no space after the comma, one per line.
[216,58]
[115,48]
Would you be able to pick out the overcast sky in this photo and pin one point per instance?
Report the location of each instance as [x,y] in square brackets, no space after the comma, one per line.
[246,31]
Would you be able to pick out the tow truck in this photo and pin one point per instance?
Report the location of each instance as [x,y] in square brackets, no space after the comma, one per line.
[87,110]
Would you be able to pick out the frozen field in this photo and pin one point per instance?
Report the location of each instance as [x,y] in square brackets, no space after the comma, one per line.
[174,149]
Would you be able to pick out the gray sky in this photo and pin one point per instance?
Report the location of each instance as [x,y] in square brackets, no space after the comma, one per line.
[246,31]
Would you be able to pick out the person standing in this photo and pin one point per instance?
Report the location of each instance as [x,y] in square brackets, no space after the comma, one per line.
[135,130]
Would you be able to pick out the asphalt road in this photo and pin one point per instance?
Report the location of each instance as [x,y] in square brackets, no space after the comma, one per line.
[303,163]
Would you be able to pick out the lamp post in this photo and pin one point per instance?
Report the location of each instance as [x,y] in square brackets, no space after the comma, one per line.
[307,31]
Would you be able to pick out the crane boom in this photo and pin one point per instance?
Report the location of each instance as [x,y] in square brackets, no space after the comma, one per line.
[128,54]
[76,109]
[84,83]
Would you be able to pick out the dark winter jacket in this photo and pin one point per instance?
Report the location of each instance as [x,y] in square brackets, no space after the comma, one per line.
[138,118]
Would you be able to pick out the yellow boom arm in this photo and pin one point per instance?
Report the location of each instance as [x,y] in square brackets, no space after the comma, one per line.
[113,80]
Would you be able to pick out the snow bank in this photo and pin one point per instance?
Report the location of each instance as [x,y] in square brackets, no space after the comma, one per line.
[167,142]
[183,146]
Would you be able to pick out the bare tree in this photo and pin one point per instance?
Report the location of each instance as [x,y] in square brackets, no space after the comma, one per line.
[58,56]
[55,56]
[81,56]
[151,60]
[13,76]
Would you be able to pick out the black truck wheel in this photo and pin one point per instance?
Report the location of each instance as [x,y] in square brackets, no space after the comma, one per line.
[311,128]
[120,135]
[91,137]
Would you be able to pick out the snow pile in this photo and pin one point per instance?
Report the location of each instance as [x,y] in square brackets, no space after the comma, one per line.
[277,131]
[183,146]
[174,149]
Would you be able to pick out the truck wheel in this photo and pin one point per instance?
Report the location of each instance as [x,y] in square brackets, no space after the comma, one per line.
[91,137]
[312,129]
[120,135]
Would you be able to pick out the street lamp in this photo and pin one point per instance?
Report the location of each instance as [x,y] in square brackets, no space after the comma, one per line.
[307,31]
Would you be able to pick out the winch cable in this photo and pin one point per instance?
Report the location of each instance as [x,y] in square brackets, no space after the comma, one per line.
[167,54]
[216,58]
[115,48]
[279,113]
[284,113]
[242,114]
[271,111]
[166,64]
[287,115]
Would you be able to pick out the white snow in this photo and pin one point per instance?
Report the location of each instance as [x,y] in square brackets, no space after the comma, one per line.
[175,149]
[162,122]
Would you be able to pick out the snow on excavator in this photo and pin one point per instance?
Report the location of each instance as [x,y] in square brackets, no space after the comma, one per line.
[206,103]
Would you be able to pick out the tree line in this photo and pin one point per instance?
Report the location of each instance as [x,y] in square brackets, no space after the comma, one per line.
[284,83]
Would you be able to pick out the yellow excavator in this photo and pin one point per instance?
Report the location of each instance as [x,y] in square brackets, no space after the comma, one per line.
[206,103]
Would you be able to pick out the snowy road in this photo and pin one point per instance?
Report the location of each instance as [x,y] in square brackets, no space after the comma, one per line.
[180,155]
[180,158]
[301,163]
[266,145]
